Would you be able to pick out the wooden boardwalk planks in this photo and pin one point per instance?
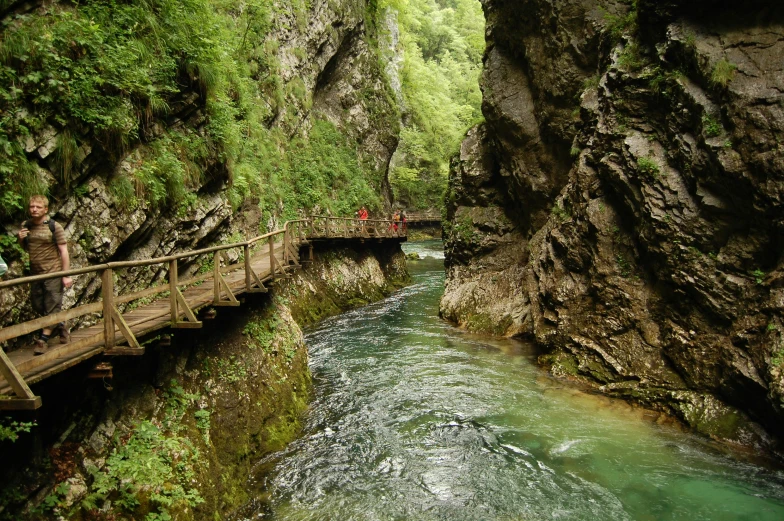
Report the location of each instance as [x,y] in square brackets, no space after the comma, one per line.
[88,342]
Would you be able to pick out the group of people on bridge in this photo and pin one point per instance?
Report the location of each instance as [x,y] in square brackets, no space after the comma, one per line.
[398,221]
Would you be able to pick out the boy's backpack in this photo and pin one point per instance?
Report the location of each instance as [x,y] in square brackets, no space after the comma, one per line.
[50,222]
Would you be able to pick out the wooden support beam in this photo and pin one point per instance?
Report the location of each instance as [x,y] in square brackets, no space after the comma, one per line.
[192,322]
[277,264]
[248,267]
[220,283]
[173,292]
[272,259]
[20,404]
[14,379]
[124,351]
[125,330]
[293,256]
[260,285]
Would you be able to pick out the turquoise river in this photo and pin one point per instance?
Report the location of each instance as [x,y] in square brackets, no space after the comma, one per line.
[413,419]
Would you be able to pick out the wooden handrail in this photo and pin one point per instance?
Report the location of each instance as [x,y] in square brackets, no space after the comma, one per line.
[293,233]
[131,264]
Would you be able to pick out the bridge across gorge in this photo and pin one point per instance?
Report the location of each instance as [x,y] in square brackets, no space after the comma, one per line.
[168,305]
[426,218]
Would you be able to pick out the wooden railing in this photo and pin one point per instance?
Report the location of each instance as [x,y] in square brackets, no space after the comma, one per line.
[293,234]
[328,227]
[414,217]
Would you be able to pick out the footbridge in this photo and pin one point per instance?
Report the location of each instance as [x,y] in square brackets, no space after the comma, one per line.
[422,219]
[120,319]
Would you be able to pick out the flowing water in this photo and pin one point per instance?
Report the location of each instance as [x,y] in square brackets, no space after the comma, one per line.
[413,419]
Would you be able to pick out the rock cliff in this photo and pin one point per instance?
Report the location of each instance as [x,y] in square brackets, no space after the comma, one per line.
[314,60]
[621,204]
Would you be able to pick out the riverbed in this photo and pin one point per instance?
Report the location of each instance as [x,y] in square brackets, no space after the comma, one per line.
[413,419]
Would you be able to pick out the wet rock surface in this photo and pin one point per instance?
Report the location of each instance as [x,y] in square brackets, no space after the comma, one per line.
[622,203]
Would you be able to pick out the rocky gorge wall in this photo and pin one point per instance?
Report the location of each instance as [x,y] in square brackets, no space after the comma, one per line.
[621,204]
[314,60]
[183,430]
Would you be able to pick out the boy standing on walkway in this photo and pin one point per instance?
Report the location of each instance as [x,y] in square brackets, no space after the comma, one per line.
[46,244]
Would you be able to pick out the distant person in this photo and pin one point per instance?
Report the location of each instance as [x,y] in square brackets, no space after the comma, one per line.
[363,213]
[396,220]
[46,244]
[403,221]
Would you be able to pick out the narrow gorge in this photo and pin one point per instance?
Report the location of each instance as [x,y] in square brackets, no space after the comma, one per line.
[610,193]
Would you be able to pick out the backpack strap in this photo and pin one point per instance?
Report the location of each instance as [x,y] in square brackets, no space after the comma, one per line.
[50,222]
[51,229]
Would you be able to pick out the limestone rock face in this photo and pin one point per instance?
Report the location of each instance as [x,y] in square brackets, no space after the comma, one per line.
[632,166]
[322,48]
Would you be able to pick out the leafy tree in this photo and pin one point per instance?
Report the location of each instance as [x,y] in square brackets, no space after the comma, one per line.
[443,42]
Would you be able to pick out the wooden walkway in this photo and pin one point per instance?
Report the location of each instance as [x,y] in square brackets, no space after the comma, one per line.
[428,218]
[264,258]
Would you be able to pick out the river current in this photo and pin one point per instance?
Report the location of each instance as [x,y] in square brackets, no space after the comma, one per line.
[413,419]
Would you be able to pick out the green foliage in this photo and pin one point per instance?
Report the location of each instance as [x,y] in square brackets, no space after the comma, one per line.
[10,429]
[631,58]
[711,126]
[156,461]
[463,230]
[624,266]
[114,67]
[443,42]
[759,276]
[108,66]
[620,24]
[10,249]
[54,500]
[261,332]
[778,358]
[723,72]
[561,213]
[203,423]
[592,82]
[648,167]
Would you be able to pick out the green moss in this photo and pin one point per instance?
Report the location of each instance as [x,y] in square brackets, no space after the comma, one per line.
[711,126]
[484,322]
[648,167]
[723,72]
[560,362]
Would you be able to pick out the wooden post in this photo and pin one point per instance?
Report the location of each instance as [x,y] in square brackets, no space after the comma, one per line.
[216,277]
[286,246]
[17,383]
[246,254]
[173,291]
[272,257]
[107,294]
